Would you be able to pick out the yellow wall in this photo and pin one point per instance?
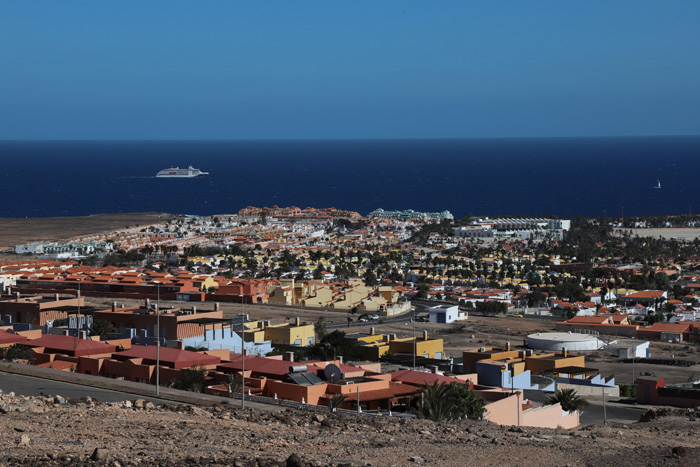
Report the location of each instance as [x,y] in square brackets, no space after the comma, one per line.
[540,365]
[289,333]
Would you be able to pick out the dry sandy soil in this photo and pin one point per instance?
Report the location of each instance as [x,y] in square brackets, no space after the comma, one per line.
[17,231]
[686,234]
[51,431]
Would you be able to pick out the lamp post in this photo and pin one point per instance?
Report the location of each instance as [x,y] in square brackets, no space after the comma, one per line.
[242,360]
[158,340]
[414,340]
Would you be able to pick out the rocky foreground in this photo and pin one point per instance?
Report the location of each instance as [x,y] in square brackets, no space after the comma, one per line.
[51,430]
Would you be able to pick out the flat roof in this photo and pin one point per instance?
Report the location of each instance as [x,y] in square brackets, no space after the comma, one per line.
[562,337]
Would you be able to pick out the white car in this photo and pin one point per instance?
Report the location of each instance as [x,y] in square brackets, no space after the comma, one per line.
[374,317]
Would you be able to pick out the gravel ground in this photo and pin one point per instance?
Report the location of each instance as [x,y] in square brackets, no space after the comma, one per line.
[53,431]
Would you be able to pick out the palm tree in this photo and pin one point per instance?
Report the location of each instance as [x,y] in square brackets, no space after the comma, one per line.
[336,401]
[234,385]
[102,328]
[568,399]
[436,405]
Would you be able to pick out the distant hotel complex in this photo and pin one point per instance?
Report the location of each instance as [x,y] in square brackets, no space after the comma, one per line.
[513,227]
[410,214]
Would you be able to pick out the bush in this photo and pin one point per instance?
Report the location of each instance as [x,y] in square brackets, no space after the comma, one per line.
[16,352]
[192,379]
[451,402]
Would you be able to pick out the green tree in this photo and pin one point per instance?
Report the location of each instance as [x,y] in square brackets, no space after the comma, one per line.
[336,401]
[451,402]
[568,398]
[193,379]
[320,328]
[16,352]
[102,328]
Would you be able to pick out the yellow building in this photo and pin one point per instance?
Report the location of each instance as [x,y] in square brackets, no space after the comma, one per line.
[295,333]
[377,345]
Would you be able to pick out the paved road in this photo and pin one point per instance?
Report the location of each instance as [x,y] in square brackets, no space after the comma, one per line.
[595,413]
[33,386]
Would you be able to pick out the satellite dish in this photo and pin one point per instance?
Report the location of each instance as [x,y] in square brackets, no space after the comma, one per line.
[332,373]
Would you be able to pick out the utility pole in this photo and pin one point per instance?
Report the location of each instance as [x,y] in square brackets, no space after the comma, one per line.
[414,341]
[158,340]
[243,315]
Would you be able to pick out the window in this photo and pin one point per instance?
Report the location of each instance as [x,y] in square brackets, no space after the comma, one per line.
[297,342]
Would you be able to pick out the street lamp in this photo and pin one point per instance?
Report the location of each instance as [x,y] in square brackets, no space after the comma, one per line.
[242,360]
[158,340]
[414,339]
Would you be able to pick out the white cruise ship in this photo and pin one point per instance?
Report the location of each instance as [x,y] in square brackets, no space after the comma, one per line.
[177,172]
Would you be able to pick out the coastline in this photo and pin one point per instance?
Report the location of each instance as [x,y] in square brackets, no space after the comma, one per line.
[15,231]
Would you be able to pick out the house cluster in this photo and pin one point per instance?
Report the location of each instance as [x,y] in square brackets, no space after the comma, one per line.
[128,282]
[346,296]
[361,386]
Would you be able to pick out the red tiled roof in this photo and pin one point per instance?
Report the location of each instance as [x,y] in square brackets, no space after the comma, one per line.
[420,378]
[394,390]
[9,338]
[168,356]
[645,294]
[263,366]
[68,344]
[669,327]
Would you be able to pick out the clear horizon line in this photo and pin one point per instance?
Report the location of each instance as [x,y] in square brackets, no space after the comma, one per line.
[388,138]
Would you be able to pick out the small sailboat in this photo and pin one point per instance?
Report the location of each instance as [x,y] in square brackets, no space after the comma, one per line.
[658,184]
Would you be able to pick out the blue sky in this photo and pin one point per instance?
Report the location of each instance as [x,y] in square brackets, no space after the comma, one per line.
[319,69]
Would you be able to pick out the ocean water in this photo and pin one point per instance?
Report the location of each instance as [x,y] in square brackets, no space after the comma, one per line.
[496,177]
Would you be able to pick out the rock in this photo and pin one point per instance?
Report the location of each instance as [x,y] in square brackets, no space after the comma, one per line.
[495,440]
[326,423]
[127,404]
[417,459]
[318,418]
[149,405]
[19,430]
[678,451]
[295,461]
[139,403]
[24,440]
[100,454]
[59,399]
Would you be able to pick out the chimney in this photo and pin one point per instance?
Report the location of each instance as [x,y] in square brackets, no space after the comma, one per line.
[564,352]
[17,296]
[55,297]
[340,359]
[64,332]
[425,335]
[114,306]
[148,302]
[434,369]
[180,344]
[216,306]
[82,335]
[194,310]
[289,356]
[371,331]
[508,346]
[9,291]
[297,321]
[262,324]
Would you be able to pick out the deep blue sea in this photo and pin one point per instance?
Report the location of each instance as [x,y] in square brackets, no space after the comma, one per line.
[496,177]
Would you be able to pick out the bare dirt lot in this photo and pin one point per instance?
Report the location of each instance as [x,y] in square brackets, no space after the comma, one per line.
[685,234]
[17,231]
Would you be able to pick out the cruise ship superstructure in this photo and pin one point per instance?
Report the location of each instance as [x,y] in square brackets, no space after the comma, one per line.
[177,172]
